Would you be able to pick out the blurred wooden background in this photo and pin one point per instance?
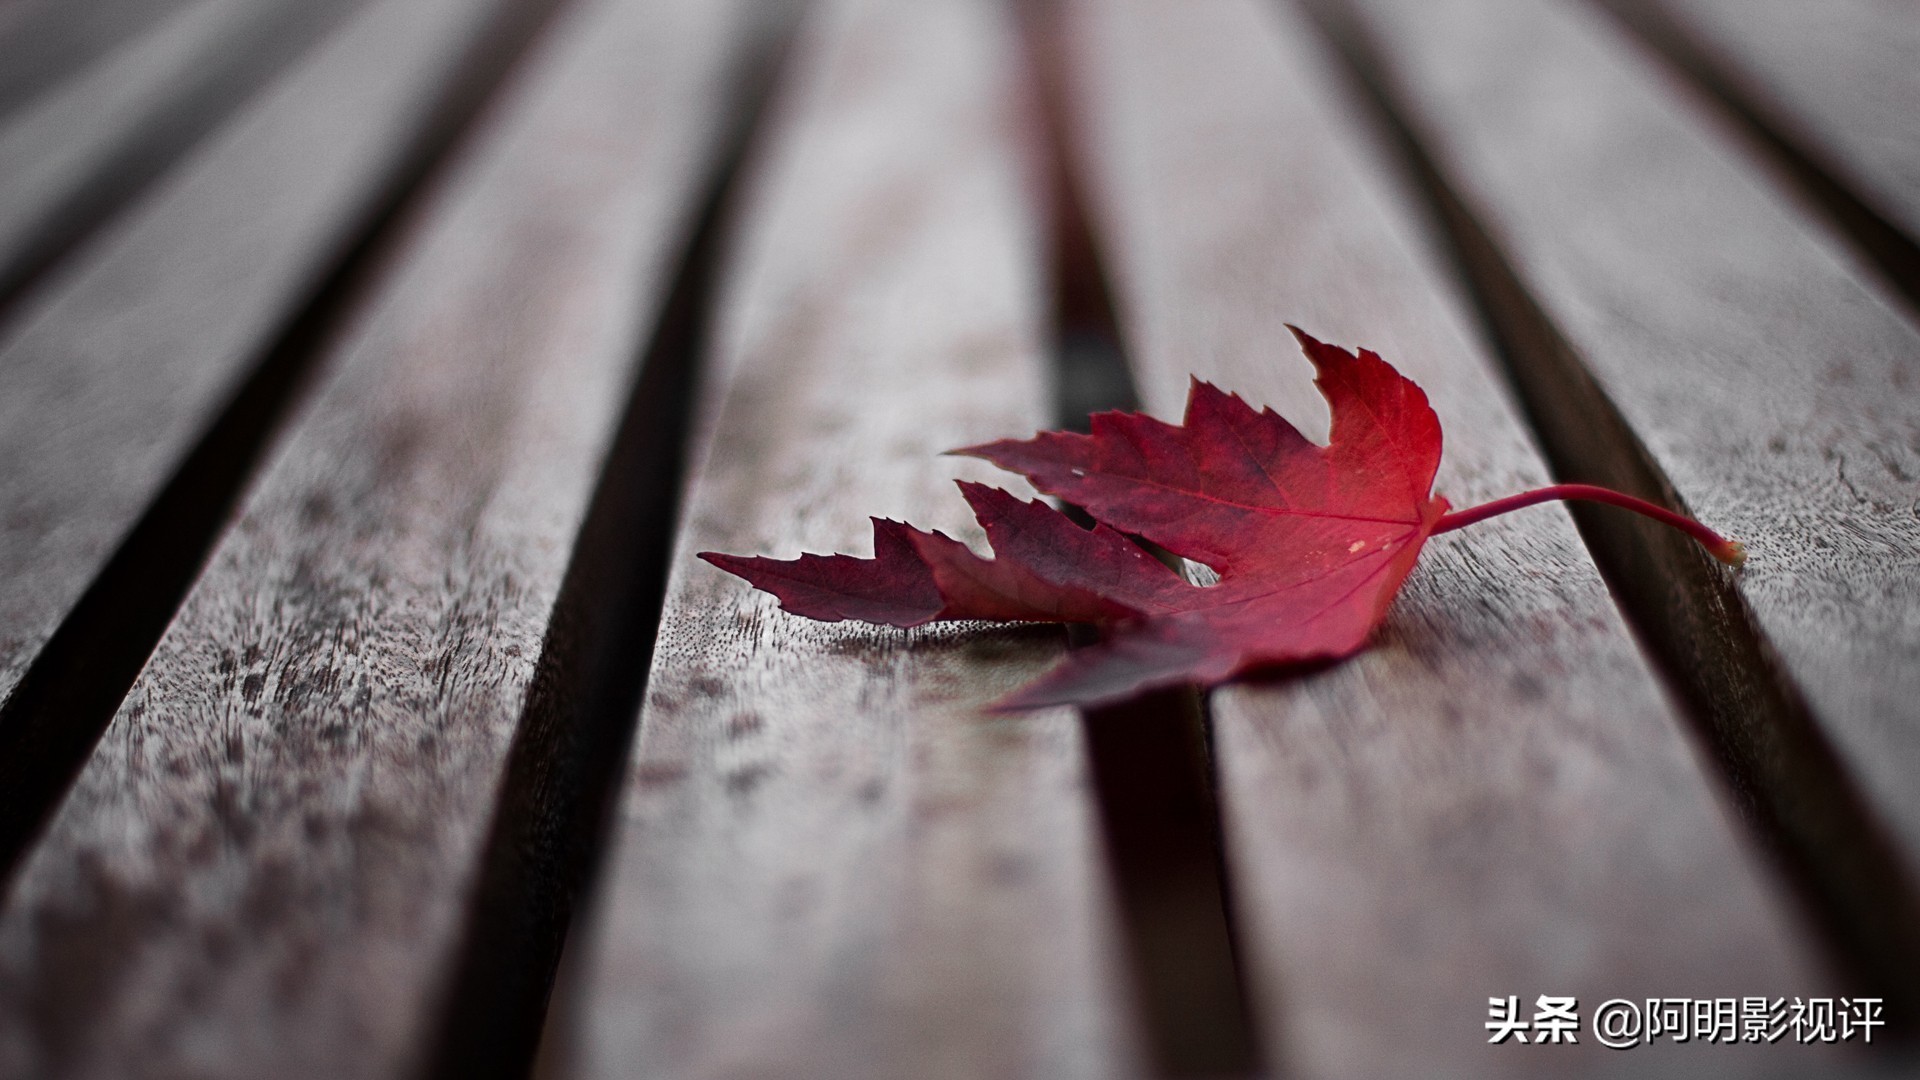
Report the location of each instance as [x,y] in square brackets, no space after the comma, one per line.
[371,369]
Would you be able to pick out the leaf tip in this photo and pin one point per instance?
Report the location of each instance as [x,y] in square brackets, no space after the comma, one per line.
[985,451]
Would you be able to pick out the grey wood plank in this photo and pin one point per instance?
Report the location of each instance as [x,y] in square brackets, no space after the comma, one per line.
[264,869]
[1770,382]
[1841,78]
[86,149]
[829,861]
[52,145]
[44,42]
[113,367]
[1497,798]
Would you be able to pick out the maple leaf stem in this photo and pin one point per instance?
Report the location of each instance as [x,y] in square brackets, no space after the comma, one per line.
[1731,552]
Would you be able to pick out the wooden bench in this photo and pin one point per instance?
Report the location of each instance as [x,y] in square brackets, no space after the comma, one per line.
[371,370]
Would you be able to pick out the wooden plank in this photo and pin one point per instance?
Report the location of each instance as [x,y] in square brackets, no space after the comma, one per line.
[111,369]
[1771,385]
[264,869]
[84,150]
[51,147]
[43,42]
[1496,798]
[829,861]
[1838,78]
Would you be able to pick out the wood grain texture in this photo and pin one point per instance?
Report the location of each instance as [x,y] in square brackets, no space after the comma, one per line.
[264,868]
[829,861]
[1774,387]
[1495,799]
[87,148]
[113,367]
[1840,77]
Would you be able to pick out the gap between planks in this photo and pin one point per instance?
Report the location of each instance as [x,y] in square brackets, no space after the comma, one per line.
[132,116]
[43,42]
[566,759]
[1796,797]
[1808,172]
[1496,794]
[334,705]
[71,689]
[1151,758]
[829,861]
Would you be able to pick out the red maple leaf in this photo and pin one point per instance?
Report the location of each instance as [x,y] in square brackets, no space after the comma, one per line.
[1310,542]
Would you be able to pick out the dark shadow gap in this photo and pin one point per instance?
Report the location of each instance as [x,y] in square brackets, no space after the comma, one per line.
[72,689]
[1150,756]
[569,754]
[1153,777]
[1787,782]
[263,42]
[1779,142]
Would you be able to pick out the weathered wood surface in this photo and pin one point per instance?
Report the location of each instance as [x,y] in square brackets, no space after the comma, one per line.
[113,367]
[87,147]
[264,868]
[1496,799]
[1840,77]
[829,860]
[57,144]
[1774,387]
